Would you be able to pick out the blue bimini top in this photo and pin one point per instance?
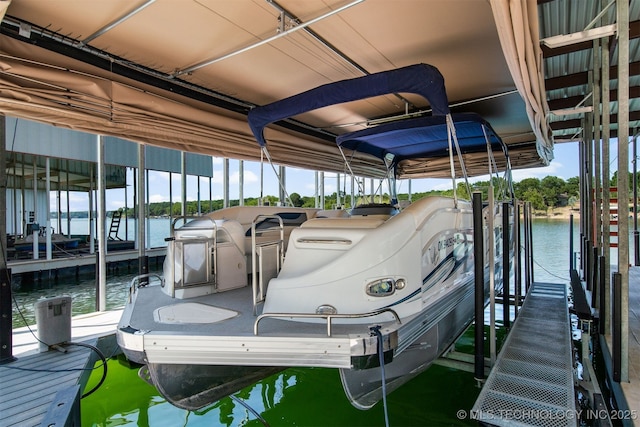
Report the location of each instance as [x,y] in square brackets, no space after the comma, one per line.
[421,79]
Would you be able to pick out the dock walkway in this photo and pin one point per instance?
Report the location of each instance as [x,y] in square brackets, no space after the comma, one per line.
[29,384]
[532,381]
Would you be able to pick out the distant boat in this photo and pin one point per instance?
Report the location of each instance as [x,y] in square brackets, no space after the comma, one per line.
[377,292]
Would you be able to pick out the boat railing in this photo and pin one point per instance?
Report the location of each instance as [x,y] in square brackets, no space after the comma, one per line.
[137,282]
[260,254]
[327,317]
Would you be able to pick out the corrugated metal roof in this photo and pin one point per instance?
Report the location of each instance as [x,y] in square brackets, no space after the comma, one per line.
[561,17]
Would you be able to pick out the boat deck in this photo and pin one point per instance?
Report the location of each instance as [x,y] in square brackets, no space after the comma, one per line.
[532,382]
[222,330]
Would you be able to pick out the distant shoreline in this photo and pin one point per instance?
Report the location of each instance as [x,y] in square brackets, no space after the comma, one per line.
[563,213]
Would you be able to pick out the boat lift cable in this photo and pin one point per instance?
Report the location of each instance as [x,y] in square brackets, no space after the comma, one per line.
[101,355]
[566,279]
[376,330]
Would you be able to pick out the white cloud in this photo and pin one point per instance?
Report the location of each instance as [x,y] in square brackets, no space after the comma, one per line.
[158,198]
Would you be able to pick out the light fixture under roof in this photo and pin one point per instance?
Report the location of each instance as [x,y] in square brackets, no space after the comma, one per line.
[572,111]
[581,36]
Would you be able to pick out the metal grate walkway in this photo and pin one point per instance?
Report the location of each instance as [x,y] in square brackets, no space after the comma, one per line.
[531,383]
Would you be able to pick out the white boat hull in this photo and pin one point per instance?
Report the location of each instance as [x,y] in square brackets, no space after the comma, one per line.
[425,253]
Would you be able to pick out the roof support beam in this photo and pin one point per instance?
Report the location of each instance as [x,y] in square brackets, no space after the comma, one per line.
[115,23]
[265,41]
[582,78]
[572,101]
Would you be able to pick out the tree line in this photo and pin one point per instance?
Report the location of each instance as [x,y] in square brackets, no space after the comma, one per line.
[548,192]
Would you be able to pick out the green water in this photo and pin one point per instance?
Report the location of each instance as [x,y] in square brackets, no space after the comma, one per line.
[294,397]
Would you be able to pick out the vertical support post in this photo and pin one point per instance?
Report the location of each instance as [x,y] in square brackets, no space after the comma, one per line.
[47,206]
[636,234]
[283,185]
[353,191]
[321,190]
[478,254]
[518,259]
[68,204]
[527,265]
[338,200]
[530,233]
[588,267]
[225,183]
[198,190]
[170,199]
[36,245]
[606,183]
[6,319]
[143,261]
[317,188]
[603,310]
[595,292]
[241,182]
[101,264]
[571,266]
[491,242]
[183,183]
[623,182]
[126,207]
[506,272]
[616,336]
[210,195]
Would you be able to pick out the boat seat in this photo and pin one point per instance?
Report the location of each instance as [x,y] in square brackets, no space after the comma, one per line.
[352,222]
[332,213]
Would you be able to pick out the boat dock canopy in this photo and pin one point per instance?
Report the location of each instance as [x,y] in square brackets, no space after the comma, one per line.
[73,152]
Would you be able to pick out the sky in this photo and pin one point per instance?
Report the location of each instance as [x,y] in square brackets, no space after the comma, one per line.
[564,165]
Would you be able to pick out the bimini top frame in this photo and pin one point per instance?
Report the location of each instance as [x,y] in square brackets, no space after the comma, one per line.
[412,141]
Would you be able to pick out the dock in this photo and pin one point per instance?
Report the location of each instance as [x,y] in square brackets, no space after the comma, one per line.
[532,381]
[77,260]
[32,383]
[627,394]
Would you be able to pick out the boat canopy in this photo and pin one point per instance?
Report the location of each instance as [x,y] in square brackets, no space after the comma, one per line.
[411,147]
[421,79]
[422,137]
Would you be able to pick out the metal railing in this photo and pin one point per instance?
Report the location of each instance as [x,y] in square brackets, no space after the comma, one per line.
[136,281]
[258,285]
[327,317]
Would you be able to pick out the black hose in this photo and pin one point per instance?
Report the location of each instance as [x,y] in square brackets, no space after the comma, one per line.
[376,331]
[104,365]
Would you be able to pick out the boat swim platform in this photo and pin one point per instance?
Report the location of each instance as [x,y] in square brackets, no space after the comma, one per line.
[532,381]
[36,385]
